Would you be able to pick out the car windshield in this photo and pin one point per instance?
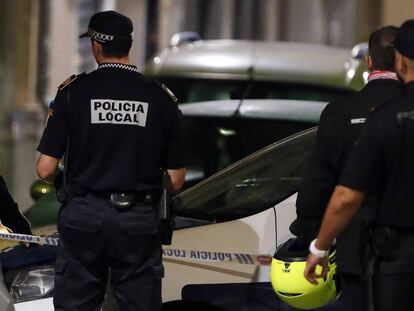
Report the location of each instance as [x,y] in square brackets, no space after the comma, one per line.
[194,90]
[251,185]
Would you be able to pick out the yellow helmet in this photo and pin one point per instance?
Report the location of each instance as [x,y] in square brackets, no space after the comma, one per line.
[289,283]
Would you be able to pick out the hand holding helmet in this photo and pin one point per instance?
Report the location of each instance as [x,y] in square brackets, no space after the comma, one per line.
[310,270]
[290,283]
[316,257]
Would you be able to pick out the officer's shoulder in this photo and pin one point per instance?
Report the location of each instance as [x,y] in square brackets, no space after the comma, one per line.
[388,108]
[164,89]
[70,81]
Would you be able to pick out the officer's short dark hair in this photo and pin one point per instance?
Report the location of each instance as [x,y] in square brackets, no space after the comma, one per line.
[117,49]
[404,41]
[380,47]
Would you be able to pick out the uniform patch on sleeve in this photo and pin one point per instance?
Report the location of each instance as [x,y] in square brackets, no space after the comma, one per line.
[168,91]
[113,111]
[49,114]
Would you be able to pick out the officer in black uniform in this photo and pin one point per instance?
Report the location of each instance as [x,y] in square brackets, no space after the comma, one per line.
[382,163]
[339,126]
[10,215]
[117,129]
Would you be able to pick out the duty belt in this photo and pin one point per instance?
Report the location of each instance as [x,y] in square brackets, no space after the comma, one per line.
[122,200]
[128,200]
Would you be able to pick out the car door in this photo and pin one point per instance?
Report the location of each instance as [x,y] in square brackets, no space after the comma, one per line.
[244,209]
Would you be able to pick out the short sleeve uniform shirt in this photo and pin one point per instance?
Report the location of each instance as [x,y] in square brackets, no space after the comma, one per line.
[383,160]
[123,128]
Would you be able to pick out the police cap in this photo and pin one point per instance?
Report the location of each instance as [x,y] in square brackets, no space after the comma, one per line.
[109,26]
[404,40]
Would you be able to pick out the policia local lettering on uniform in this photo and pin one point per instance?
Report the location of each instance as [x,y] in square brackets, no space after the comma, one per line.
[118,112]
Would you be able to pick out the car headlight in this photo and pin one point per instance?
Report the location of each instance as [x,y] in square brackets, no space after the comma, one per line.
[33,283]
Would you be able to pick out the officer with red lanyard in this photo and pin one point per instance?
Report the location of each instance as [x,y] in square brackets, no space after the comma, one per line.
[382,163]
[338,129]
[117,129]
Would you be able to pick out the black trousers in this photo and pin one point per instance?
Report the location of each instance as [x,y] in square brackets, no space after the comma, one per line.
[99,242]
[354,292]
[394,292]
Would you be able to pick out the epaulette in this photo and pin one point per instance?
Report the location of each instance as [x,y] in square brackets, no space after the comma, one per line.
[168,91]
[70,80]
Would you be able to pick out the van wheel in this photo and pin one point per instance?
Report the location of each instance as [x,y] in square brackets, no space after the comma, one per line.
[188,305]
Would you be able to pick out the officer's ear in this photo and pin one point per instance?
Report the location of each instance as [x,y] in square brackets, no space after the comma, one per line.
[96,49]
[400,64]
[369,62]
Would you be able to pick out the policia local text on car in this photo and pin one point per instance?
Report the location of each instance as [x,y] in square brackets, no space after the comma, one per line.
[383,157]
[117,129]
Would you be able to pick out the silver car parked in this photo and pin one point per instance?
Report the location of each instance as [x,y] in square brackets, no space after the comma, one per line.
[198,70]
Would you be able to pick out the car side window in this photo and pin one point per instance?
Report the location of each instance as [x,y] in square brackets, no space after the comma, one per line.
[214,143]
[251,185]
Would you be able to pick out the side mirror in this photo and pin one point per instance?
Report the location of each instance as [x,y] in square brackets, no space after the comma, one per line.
[39,188]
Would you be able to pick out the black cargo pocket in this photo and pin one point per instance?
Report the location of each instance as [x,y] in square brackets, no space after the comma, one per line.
[147,226]
[82,225]
[158,271]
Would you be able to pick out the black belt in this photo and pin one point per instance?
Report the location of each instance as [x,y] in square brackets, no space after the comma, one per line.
[128,200]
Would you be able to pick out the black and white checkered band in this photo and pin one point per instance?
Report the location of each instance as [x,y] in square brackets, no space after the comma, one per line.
[100,37]
[116,65]
[103,38]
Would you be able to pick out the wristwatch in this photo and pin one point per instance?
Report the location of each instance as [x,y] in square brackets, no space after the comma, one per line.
[317,252]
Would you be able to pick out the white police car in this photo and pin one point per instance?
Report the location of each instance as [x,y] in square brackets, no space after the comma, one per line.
[226,225]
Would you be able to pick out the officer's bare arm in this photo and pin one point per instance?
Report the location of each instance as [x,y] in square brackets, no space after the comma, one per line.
[342,207]
[46,167]
[177,178]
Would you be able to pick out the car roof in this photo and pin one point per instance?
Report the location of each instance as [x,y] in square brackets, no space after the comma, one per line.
[259,60]
[275,109]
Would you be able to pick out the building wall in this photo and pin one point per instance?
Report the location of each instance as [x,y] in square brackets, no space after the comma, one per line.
[396,12]
[19,108]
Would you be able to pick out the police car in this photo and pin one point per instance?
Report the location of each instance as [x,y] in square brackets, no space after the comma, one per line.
[227,225]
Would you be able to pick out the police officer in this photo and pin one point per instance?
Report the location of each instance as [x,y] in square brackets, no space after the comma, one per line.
[382,162]
[339,126]
[117,128]
[10,215]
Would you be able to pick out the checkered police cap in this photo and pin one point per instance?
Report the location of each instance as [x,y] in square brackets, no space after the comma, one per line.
[108,26]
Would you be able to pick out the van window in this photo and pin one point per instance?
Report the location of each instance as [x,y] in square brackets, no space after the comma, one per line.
[251,185]
[194,90]
[214,143]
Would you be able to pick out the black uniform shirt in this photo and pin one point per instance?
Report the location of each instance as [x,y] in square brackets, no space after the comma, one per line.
[383,159]
[123,128]
[339,126]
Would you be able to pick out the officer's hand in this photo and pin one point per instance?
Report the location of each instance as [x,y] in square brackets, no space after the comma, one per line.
[310,270]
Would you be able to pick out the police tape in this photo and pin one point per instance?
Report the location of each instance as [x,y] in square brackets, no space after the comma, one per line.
[181,254]
[29,238]
[240,258]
